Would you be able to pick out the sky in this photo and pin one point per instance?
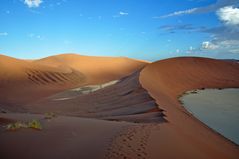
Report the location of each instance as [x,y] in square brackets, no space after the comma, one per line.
[143,29]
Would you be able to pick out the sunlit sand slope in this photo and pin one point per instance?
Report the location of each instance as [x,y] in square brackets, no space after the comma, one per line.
[25,81]
[184,136]
[96,69]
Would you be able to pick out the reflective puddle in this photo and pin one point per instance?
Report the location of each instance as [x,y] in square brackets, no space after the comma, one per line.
[219,109]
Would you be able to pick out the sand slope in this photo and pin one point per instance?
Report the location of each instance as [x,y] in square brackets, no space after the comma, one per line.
[69,135]
[184,136]
[96,69]
[25,81]
[62,137]
[126,100]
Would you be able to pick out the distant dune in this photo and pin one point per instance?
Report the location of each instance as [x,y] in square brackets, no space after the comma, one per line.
[96,69]
[24,81]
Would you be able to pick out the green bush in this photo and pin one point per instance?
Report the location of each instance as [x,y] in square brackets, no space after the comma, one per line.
[34,124]
[15,126]
[50,115]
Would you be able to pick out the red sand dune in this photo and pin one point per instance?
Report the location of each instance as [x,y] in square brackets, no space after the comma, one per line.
[25,81]
[184,136]
[96,69]
[70,136]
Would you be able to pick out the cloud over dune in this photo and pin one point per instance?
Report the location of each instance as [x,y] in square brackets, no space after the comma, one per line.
[120,14]
[224,38]
[229,15]
[177,13]
[33,3]
[208,45]
[123,13]
[210,8]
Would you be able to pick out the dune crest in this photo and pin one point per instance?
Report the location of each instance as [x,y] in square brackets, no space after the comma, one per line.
[96,69]
[25,81]
[166,80]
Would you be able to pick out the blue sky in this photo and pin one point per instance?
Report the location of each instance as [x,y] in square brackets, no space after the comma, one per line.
[143,29]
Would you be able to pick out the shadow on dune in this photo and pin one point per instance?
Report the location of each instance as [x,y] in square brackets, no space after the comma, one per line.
[124,101]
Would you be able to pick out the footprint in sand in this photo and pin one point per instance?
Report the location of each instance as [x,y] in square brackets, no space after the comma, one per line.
[131,143]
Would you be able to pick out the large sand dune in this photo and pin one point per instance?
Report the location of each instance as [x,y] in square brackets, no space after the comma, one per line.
[25,81]
[96,69]
[33,86]
[137,117]
[184,136]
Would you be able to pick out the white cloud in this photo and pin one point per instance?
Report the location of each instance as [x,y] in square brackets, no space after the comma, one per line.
[190,50]
[120,14]
[209,8]
[229,15]
[3,33]
[33,3]
[123,13]
[221,46]
[189,11]
[31,35]
[235,51]
[208,45]
[229,43]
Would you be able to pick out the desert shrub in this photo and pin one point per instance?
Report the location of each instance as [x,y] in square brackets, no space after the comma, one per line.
[50,115]
[34,124]
[16,125]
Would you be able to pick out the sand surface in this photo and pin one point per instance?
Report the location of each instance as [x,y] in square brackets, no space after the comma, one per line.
[96,69]
[126,100]
[30,89]
[24,81]
[62,137]
[185,136]
[139,116]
